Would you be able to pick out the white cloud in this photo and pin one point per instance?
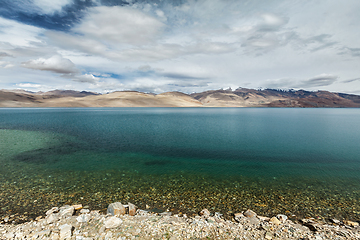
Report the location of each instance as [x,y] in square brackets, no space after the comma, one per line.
[51,6]
[86,78]
[28,85]
[15,34]
[120,25]
[56,64]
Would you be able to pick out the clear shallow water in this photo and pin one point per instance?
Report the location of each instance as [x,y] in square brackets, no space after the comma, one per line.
[298,161]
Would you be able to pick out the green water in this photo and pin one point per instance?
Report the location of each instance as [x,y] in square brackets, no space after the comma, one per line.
[302,162]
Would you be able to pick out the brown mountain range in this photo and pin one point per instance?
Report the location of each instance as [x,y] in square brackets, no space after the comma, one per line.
[240,97]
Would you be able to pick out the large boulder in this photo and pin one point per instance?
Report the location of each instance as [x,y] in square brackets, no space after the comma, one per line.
[116,209]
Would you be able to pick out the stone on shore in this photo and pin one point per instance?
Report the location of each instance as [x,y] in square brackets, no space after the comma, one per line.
[52,210]
[204,213]
[249,213]
[65,231]
[112,222]
[83,218]
[84,210]
[132,209]
[52,218]
[116,209]
[351,223]
[282,217]
[66,211]
[275,221]
[238,216]
[77,206]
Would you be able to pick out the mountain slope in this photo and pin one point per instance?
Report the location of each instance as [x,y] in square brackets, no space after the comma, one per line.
[241,97]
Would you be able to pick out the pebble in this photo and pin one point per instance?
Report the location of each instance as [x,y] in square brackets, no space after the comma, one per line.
[351,223]
[66,211]
[275,221]
[77,206]
[268,235]
[65,231]
[83,218]
[112,222]
[282,217]
[146,225]
[52,218]
[84,210]
[52,210]
[132,209]
[205,213]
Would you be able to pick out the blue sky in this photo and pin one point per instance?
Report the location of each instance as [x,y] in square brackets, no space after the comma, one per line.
[179,45]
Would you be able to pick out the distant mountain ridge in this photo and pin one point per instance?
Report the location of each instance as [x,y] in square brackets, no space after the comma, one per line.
[241,97]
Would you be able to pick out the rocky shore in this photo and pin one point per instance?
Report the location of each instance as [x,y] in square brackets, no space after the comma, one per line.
[127,222]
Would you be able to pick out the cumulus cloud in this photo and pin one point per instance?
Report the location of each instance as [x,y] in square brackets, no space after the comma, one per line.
[120,25]
[56,64]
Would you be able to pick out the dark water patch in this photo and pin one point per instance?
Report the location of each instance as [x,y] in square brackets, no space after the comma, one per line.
[157,162]
[47,155]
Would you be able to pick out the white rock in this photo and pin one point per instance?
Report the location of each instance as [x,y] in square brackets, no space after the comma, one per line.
[282,217]
[65,231]
[275,221]
[53,217]
[84,210]
[66,211]
[204,213]
[83,218]
[53,210]
[112,222]
[9,235]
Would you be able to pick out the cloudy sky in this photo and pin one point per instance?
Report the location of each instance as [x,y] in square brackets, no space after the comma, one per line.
[179,45]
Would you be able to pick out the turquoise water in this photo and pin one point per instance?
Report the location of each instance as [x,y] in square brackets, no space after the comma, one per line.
[299,161]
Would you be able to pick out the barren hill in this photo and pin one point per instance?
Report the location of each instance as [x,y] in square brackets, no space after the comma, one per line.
[241,97]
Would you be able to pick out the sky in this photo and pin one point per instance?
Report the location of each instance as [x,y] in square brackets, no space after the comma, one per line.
[179,45]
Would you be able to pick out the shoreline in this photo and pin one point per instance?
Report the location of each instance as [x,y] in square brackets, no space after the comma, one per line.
[128,222]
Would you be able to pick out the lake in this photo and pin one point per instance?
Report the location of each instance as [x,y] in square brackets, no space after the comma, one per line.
[298,162]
